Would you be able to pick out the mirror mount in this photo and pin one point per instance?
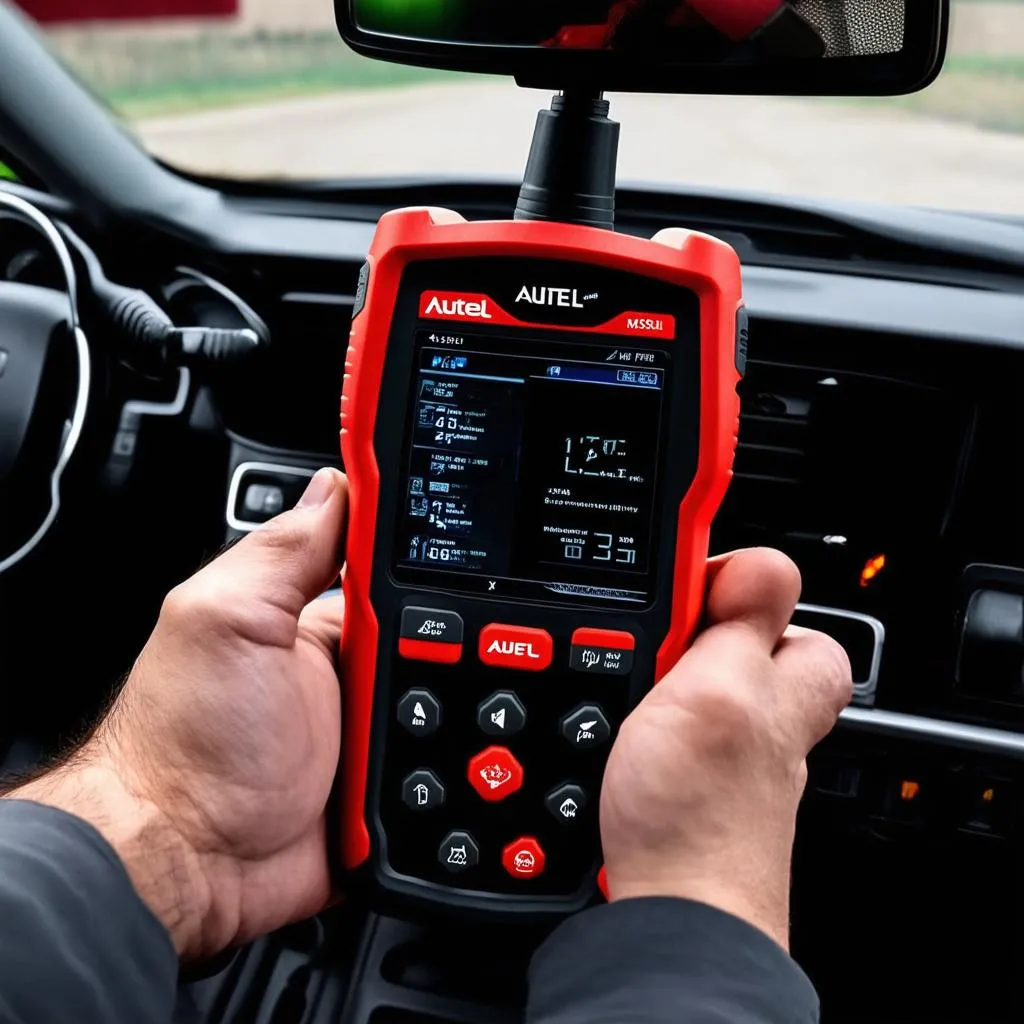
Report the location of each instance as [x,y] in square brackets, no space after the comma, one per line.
[570,173]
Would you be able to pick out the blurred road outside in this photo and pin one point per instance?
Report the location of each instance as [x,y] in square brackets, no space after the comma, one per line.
[275,94]
[765,144]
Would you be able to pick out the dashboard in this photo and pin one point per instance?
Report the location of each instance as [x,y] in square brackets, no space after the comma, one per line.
[880,446]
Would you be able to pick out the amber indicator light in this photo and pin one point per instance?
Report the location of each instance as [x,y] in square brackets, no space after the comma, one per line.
[909,790]
[872,567]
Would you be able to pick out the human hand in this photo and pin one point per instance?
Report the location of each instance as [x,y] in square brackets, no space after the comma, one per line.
[701,790]
[211,773]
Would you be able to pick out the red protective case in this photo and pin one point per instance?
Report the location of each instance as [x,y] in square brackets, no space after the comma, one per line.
[707,266]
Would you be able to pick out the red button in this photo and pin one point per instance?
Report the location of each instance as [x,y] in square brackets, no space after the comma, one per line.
[429,650]
[495,774]
[518,647]
[616,639]
[524,858]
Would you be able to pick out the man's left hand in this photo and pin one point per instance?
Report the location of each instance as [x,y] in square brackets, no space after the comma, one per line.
[211,774]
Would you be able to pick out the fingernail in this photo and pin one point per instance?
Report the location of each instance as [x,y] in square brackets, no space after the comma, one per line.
[318,490]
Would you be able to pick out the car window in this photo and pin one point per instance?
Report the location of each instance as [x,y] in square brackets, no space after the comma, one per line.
[265,89]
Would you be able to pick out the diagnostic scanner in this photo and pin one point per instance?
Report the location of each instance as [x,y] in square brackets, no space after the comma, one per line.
[538,425]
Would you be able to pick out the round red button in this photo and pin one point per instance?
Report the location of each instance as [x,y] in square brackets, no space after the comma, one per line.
[524,858]
[495,773]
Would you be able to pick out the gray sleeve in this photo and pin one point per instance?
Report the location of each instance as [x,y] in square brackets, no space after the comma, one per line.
[665,961]
[77,943]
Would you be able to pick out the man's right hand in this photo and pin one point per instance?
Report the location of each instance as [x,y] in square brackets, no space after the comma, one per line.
[702,786]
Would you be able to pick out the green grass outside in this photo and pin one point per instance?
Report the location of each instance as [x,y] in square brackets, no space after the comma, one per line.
[6,174]
[984,90]
[173,97]
[1009,65]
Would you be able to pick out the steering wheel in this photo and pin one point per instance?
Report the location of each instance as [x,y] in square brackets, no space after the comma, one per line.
[42,402]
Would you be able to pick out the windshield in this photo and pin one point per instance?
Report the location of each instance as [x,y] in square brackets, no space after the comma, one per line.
[265,89]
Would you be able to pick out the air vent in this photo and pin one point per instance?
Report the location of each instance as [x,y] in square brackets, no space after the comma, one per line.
[772,457]
[824,451]
[838,462]
[290,398]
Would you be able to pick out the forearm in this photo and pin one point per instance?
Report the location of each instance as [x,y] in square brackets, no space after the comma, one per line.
[161,868]
[77,942]
[648,961]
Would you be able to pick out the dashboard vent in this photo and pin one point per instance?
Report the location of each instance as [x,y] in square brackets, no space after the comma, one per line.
[840,459]
[772,455]
[290,398]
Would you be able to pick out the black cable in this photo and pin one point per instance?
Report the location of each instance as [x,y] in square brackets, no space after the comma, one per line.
[145,336]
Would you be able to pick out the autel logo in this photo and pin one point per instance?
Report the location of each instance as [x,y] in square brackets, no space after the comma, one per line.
[544,295]
[521,647]
[517,649]
[456,307]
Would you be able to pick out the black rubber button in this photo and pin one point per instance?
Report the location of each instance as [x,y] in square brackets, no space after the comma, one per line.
[501,714]
[458,852]
[423,790]
[586,727]
[436,625]
[419,712]
[567,803]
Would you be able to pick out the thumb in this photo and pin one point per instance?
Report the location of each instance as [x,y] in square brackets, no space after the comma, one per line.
[292,559]
[756,586]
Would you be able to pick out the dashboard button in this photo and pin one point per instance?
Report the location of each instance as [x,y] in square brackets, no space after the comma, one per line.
[262,501]
[991,656]
[834,776]
[419,712]
[906,799]
[985,806]
[519,647]
[495,774]
[458,851]
[430,634]
[567,803]
[586,727]
[524,858]
[602,651]
[423,790]
[501,714]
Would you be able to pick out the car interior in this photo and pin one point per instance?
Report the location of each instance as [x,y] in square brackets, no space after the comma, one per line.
[193,388]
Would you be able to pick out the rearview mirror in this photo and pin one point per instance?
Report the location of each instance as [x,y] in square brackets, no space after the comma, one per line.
[799,47]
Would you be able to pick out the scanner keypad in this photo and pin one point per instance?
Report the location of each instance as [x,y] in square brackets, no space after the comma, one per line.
[491,782]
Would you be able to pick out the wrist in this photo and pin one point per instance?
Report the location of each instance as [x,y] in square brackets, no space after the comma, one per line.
[762,906]
[163,868]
